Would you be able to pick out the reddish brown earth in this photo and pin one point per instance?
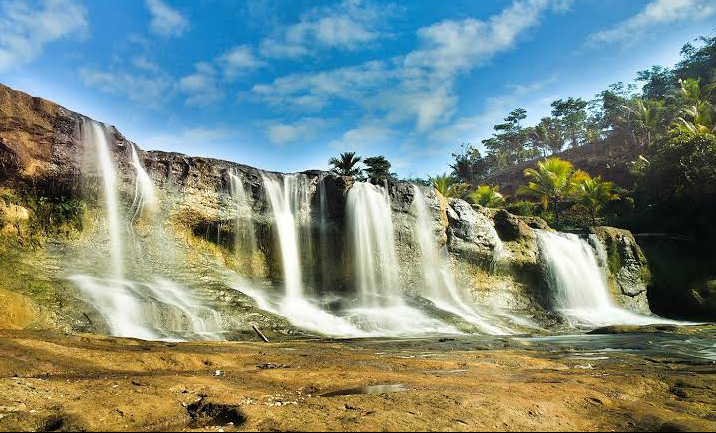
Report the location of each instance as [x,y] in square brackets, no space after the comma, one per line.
[52,381]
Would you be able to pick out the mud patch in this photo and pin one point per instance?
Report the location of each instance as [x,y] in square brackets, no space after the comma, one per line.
[204,414]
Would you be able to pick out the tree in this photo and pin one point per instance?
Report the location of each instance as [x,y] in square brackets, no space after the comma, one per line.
[487,196]
[572,113]
[509,141]
[594,194]
[345,165]
[659,82]
[378,169]
[469,165]
[697,117]
[547,136]
[553,181]
[448,186]
[647,118]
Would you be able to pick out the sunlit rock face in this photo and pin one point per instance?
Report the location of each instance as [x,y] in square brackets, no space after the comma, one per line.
[212,260]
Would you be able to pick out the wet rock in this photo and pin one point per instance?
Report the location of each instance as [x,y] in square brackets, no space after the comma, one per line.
[628,271]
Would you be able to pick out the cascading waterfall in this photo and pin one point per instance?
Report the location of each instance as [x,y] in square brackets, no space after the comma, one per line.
[370,223]
[290,203]
[154,310]
[160,310]
[145,197]
[95,136]
[285,209]
[579,285]
[439,282]
[245,238]
[381,308]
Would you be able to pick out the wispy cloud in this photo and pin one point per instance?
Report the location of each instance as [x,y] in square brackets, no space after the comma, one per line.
[418,86]
[191,137]
[153,90]
[166,21]
[347,26]
[287,132]
[364,138]
[238,60]
[27,26]
[202,86]
[654,15]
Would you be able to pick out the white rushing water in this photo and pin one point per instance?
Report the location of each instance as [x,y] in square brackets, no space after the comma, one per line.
[579,285]
[157,310]
[154,310]
[370,225]
[145,197]
[95,135]
[284,203]
[245,237]
[439,282]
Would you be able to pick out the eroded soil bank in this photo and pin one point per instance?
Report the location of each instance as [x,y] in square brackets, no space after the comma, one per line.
[52,381]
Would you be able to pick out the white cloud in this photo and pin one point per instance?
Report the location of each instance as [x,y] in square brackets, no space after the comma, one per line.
[347,26]
[282,133]
[141,62]
[477,127]
[166,21]
[152,91]
[238,60]
[27,26]
[655,14]
[419,86]
[363,138]
[190,137]
[451,46]
[201,87]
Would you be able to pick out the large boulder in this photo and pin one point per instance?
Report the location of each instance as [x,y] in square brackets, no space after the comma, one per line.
[628,273]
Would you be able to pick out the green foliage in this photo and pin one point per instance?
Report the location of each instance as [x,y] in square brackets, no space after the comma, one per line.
[487,196]
[594,194]
[469,166]
[448,186]
[55,215]
[524,208]
[573,115]
[552,182]
[378,169]
[418,180]
[346,164]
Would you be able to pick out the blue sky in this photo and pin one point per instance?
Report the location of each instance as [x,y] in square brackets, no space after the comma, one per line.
[284,85]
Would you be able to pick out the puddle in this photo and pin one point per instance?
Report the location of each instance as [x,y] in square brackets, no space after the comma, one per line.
[372,389]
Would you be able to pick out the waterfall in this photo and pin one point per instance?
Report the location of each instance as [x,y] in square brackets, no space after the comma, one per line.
[286,206]
[245,238]
[145,198]
[154,310]
[370,223]
[439,282]
[159,310]
[578,284]
[94,134]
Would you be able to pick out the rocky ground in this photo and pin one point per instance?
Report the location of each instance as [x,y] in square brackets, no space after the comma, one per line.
[52,381]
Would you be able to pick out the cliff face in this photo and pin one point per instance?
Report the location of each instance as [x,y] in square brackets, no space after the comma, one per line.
[53,228]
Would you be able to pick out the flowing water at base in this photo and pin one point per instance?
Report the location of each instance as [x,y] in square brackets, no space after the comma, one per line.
[157,310]
[579,285]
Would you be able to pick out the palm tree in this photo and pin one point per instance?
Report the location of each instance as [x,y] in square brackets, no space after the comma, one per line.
[594,194]
[648,117]
[346,164]
[487,196]
[553,181]
[698,114]
[697,119]
[447,186]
